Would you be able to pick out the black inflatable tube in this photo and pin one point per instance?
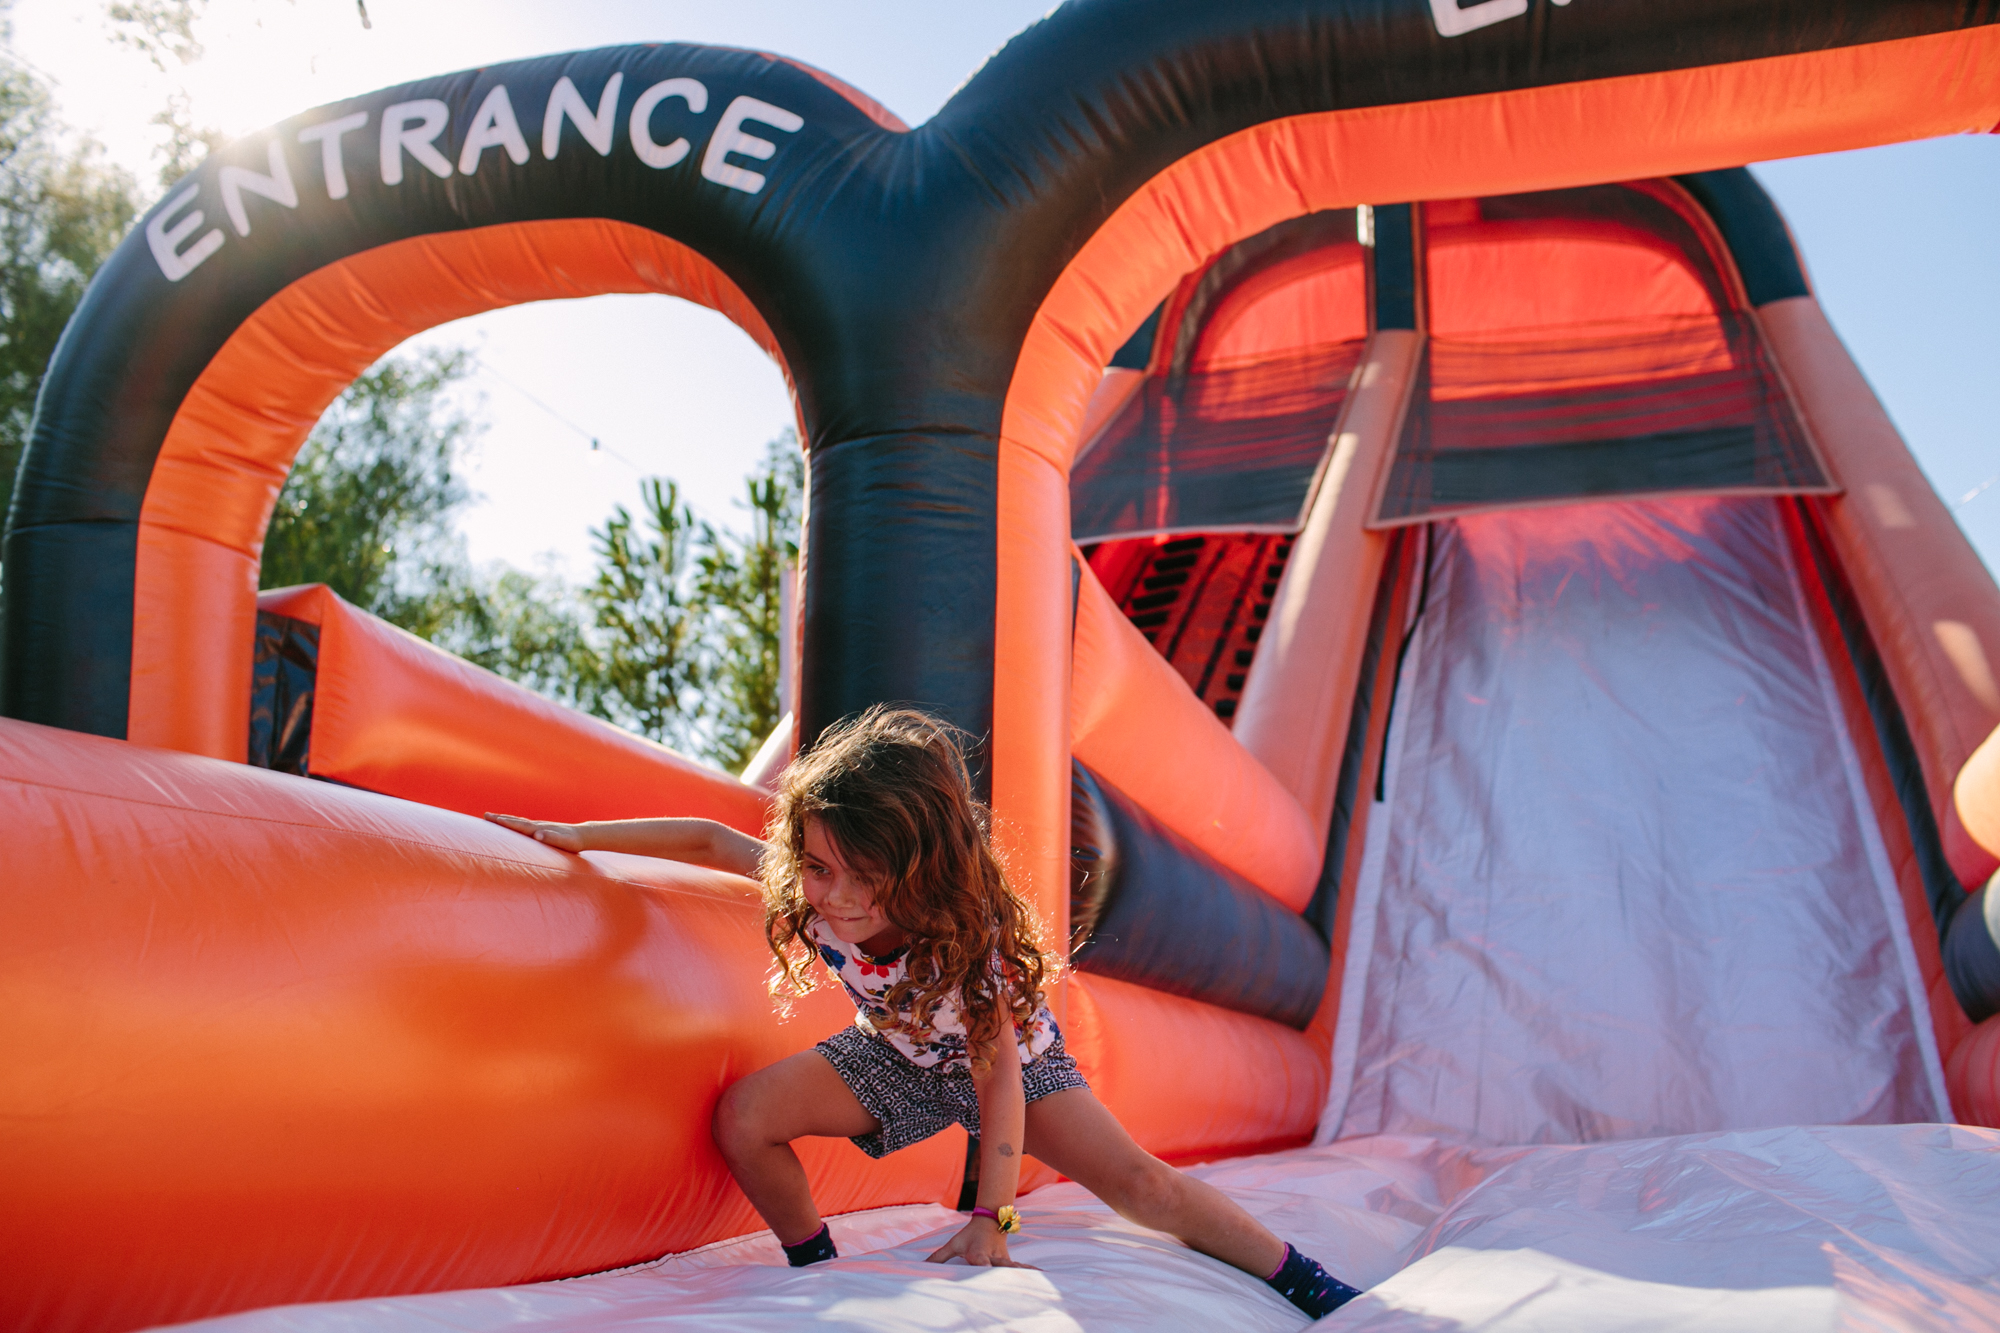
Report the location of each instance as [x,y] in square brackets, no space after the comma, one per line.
[1972,954]
[1153,910]
[1756,235]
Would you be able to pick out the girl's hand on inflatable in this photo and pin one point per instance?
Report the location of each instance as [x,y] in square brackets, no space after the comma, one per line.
[981,1244]
[562,837]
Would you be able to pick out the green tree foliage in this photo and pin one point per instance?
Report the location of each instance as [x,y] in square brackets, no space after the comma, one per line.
[647,602]
[741,580]
[62,212]
[689,616]
[368,507]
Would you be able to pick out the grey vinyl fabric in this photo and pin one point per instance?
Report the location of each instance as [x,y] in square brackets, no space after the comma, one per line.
[1625,881]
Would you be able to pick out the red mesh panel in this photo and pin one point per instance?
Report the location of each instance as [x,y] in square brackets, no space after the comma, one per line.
[1688,404]
[1227,449]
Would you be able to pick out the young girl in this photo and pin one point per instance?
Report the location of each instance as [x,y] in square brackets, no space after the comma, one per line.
[878,862]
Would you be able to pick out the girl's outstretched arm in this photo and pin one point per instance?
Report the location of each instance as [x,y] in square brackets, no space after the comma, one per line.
[1003,1122]
[701,842]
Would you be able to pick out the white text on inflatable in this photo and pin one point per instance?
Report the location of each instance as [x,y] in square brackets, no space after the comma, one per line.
[410,132]
[1455,20]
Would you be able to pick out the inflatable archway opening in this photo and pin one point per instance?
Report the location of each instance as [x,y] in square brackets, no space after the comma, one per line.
[1427,578]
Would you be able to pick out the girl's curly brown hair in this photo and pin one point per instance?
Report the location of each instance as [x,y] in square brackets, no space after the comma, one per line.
[890,790]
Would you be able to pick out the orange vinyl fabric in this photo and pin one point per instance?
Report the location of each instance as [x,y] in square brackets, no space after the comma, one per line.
[201,529]
[1031,686]
[272,1040]
[394,714]
[1136,724]
[1315,298]
[1294,713]
[1488,277]
[1932,607]
[1233,188]
[1189,1080]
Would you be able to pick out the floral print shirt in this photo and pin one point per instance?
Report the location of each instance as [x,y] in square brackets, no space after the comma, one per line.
[942,1044]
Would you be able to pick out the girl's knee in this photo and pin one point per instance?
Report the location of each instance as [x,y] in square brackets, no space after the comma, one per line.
[1145,1187]
[739,1123]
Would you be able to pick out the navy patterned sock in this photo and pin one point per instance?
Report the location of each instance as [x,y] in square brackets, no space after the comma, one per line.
[1308,1286]
[814,1249]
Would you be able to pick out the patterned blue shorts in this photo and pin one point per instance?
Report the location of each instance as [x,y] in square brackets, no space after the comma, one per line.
[911,1103]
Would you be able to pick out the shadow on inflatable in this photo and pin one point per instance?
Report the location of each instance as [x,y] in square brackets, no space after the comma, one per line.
[1460,653]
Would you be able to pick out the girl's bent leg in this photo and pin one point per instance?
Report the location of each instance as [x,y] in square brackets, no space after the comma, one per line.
[760,1115]
[1072,1132]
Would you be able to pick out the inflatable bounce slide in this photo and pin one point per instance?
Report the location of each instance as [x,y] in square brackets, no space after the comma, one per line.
[1458,652]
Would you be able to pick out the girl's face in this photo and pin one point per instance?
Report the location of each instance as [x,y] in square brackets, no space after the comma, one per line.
[843,899]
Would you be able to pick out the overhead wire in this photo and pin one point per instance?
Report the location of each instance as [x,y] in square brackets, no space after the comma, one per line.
[595,441]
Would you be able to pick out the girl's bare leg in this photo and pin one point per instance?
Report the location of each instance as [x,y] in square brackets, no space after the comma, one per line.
[756,1121]
[1072,1132]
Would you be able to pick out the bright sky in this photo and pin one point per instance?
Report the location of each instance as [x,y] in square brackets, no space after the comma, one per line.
[1892,236]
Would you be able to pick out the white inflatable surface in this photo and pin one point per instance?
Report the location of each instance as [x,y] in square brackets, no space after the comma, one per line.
[1875,1227]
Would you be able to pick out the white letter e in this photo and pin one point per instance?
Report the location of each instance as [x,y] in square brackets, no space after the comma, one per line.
[166,241]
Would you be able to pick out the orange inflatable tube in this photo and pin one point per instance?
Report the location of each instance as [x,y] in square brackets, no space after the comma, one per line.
[1932,607]
[394,714]
[248,1013]
[1135,723]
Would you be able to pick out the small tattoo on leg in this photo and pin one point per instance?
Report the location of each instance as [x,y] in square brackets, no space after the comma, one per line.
[1006,1150]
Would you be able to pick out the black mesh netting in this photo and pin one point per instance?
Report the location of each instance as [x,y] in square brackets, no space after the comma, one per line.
[1687,405]
[1231,449]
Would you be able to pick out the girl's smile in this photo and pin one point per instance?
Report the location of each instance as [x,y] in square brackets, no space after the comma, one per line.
[843,899]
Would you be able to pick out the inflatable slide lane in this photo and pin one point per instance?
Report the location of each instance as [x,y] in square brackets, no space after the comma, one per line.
[1458,653]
